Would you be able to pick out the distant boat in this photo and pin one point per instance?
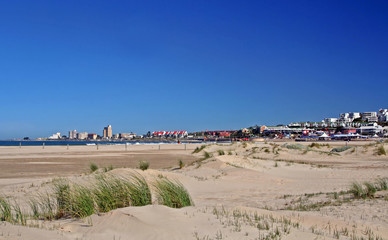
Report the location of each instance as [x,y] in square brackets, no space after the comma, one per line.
[91,144]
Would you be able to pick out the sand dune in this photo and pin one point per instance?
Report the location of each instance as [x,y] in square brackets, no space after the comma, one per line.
[240,191]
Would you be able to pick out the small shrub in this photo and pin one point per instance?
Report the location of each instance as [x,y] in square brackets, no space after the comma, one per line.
[143,165]
[93,167]
[244,144]
[317,145]
[221,152]
[181,164]
[381,150]
[207,155]
[172,193]
[340,149]
[276,164]
[230,153]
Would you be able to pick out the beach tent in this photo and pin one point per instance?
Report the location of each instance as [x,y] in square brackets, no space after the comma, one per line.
[324,136]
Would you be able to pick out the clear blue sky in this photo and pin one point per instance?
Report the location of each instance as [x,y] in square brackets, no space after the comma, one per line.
[187,65]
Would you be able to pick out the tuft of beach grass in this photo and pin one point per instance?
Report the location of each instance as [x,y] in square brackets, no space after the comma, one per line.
[172,193]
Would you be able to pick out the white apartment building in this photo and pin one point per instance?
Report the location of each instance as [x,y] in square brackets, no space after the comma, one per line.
[55,136]
[382,115]
[349,117]
[369,116]
[82,135]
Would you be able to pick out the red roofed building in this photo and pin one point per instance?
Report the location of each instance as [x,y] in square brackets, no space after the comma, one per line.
[174,134]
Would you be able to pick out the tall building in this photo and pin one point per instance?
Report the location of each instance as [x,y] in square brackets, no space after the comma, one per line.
[370,116]
[107,133]
[73,134]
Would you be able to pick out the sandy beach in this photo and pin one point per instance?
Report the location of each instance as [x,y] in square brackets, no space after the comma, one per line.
[261,190]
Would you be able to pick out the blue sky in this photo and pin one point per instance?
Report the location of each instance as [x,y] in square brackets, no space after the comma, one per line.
[187,65]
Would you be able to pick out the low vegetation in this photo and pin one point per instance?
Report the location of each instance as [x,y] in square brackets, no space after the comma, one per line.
[340,149]
[381,150]
[199,149]
[181,164]
[221,152]
[172,193]
[206,155]
[144,165]
[367,189]
[106,193]
[296,146]
[319,145]
[93,167]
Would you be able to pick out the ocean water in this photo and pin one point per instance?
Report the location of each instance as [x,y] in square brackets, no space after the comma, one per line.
[72,143]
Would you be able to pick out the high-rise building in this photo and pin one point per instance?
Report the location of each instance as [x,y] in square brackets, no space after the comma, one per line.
[107,133]
[73,134]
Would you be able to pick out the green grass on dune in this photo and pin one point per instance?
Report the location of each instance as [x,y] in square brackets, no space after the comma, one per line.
[172,193]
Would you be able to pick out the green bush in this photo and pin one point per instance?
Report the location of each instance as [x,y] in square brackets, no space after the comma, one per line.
[207,155]
[93,167]
[181,164]
[221,152]
[143,165]
[172,193]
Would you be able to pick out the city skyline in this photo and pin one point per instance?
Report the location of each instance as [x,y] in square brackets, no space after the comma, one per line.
[183,65]
[343,119]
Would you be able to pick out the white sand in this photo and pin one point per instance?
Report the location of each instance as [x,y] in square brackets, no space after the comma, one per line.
[247,182]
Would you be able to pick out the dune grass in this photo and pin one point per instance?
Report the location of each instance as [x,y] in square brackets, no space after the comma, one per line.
[181,164]
[368,189]
[73,200]
[221,152]
[340,149]
[381,150]
[5,210]
[62,195]
[93,167]
[144,165]
[199,149]
[172,193]
[114,192]
[81,202]
[206,155]
[382,184]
